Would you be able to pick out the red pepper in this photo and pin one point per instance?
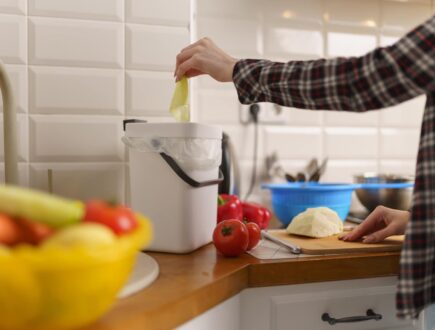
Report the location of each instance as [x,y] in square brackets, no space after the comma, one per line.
[253,212]
[229,207]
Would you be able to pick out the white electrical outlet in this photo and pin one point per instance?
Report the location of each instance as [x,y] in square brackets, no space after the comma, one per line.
[271,114]
[274,114]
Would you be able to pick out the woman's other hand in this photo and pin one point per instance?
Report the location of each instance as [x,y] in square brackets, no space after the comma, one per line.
[204,57]
[379,224]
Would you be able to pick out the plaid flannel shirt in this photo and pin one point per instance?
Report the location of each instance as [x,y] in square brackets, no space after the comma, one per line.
[379,79]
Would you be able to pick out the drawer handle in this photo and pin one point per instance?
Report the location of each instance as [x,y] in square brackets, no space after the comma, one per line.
[370,315]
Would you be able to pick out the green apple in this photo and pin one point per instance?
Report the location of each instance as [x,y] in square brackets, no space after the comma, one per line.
[84,234]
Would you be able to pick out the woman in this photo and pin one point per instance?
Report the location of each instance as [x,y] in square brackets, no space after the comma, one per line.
[382,78]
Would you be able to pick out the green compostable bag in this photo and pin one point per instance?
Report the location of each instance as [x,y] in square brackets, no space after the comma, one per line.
[179,107]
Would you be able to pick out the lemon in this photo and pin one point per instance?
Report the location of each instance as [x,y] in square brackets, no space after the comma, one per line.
[84,234]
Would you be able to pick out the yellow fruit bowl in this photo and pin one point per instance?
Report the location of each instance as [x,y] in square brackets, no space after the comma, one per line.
[48,287]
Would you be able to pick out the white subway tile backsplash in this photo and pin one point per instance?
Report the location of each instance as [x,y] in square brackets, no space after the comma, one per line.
[293,142]
[89,9]
[63,90]
[288,39]
[149,93]
[339,170]
[399,143]
[413,1]
[154,47]
[351,142]
[80,181]
[205,82]
[161,12]
[218,107]
[388,39]
[18,78]
[13,39]
[23,174]
[13,7]
[347,118]
[402,166]
[344,43]
[76,43]
[246,172]
[400,16]
[238,37]
[293,10]
[229,8]
[356,13]
[407,114]
[301,117]
[242,137]
[22,136]
[75,138]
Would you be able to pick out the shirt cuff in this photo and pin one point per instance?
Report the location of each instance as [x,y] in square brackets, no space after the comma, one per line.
[247,80]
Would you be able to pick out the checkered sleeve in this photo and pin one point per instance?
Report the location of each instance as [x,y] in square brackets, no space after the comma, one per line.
[381,78]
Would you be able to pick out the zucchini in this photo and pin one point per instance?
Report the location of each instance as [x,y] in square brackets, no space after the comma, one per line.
[39,206]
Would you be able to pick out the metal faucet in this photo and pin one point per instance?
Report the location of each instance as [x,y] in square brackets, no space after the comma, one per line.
[9,128]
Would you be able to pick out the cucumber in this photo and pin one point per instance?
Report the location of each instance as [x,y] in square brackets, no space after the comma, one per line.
[39,206]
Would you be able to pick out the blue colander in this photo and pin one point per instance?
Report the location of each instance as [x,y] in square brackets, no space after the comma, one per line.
[290,199]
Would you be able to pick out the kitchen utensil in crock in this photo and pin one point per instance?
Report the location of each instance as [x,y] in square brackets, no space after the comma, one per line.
[319,171]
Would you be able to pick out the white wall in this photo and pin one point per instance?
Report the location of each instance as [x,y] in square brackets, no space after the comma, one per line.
[79,67]
[292,29]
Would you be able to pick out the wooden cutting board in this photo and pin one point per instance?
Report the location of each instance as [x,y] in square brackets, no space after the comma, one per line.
[332,245]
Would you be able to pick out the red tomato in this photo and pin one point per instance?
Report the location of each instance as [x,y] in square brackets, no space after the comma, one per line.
[10,233]
[120,219]
[231,237]
[34,232]
[254,232]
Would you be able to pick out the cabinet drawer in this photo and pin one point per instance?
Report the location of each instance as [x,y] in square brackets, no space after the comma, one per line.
[304,311]
[300,306]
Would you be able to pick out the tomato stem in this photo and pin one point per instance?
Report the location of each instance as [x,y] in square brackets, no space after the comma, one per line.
[227,230]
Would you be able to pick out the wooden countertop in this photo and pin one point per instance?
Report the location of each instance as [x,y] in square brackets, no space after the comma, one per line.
[189,285]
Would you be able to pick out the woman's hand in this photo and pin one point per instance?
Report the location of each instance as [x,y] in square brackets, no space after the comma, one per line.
[379,224]
[204,57]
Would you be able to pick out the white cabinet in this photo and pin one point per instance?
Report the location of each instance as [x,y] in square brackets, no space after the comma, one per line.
[225,316]
[300,307]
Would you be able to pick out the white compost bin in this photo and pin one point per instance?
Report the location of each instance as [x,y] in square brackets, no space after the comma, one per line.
[174,177]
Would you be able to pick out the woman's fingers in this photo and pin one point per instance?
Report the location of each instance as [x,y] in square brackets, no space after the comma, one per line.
[186,54]
[380,224]
[193,64]
[369,225]
[204,57]
[380,235]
